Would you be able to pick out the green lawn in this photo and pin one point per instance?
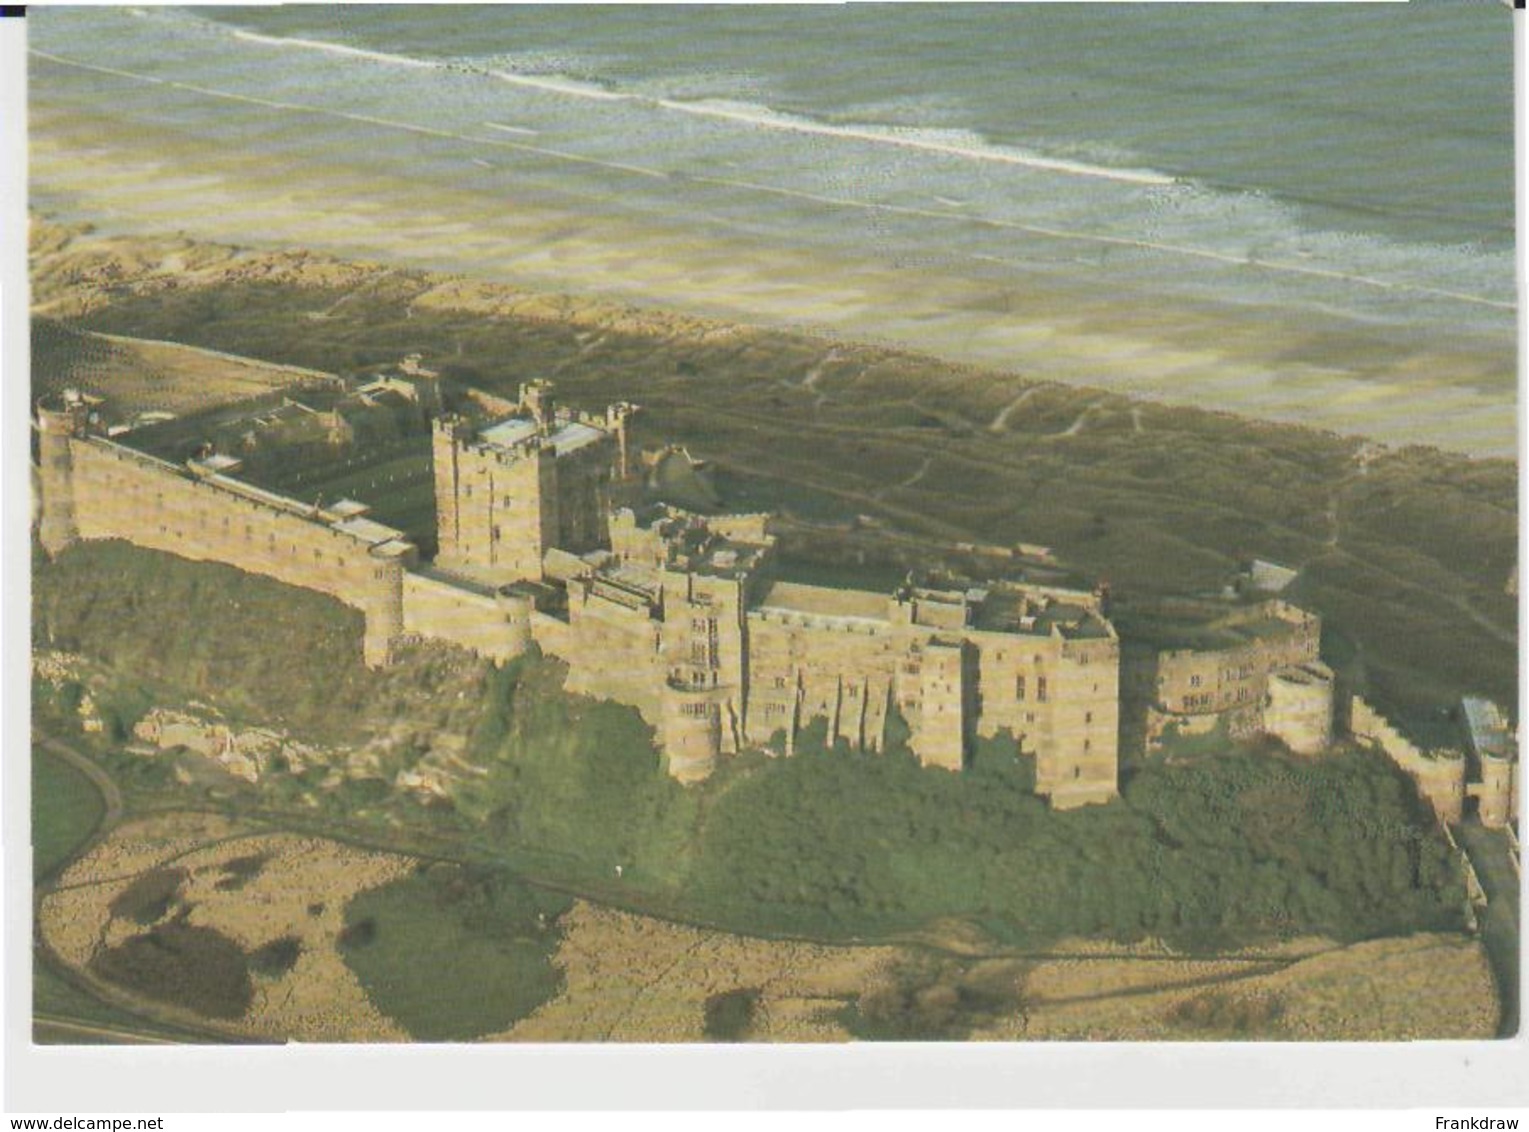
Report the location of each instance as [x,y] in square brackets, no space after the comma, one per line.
[66,808]
[454,954]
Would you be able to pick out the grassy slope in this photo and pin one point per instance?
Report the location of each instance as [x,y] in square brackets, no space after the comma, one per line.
[1407,561]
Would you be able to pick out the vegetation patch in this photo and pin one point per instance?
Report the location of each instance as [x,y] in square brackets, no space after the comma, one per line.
[1229,1014]
[928,998]
[1250,844]
[276,958]
[149,898]
[239,871]
[66,809]
[729,1015]
[192,967]
[456,953]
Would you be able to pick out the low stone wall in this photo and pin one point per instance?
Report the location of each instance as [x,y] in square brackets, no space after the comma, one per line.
[1439,775]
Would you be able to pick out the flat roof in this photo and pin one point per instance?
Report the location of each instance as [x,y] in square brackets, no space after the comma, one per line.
[347,508]
[508,433]
[793,597]
[573,436]
[393,548]
[368,530]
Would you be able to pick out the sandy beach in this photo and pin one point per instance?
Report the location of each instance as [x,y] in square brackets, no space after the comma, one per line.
[1325,372]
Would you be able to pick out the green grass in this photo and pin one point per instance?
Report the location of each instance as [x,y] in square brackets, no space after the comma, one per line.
[55,997]
[66,808]
[453,955]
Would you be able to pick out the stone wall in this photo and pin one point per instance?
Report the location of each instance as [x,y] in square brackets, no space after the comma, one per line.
[1191,681]
[496,628]
[1439,775]
[1299,712]
[120,493]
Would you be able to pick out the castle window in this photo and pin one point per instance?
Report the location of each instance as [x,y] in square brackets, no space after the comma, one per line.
[854,691]
[1077,772]
[1029,717]
[1086,745]
[1088,717]
[780,681]
[496,534]
[1194,681]
[1040,689]
[1019,687]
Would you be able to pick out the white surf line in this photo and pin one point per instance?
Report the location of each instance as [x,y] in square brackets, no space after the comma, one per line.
[366,119]
[511,129]
[838,202]
[806,126]
[760,120]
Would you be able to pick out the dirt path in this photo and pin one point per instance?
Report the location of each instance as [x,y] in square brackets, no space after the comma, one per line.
[1001,422]
[1488,852]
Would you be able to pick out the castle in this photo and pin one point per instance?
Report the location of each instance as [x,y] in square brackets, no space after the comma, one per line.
[687,617]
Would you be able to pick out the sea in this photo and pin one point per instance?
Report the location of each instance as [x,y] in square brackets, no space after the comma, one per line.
[1344,161]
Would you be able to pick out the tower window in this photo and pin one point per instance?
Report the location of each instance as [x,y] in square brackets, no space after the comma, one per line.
[1040,688]
[1019,687]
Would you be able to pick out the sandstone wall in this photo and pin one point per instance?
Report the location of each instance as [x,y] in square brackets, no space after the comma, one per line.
[1299,712]
[477,622]
[1439,775]
[1216,680]
[801,668]
[119,493]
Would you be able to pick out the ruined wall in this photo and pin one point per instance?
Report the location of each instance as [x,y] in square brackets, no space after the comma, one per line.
[1439,775]
[119,493]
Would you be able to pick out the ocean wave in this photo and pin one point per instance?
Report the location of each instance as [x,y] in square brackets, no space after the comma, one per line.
[963,144]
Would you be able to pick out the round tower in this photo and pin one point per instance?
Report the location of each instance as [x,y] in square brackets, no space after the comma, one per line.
[384,611]
[56,430]
[692,732]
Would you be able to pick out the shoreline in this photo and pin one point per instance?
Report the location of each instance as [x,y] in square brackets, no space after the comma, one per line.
[1320,373]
